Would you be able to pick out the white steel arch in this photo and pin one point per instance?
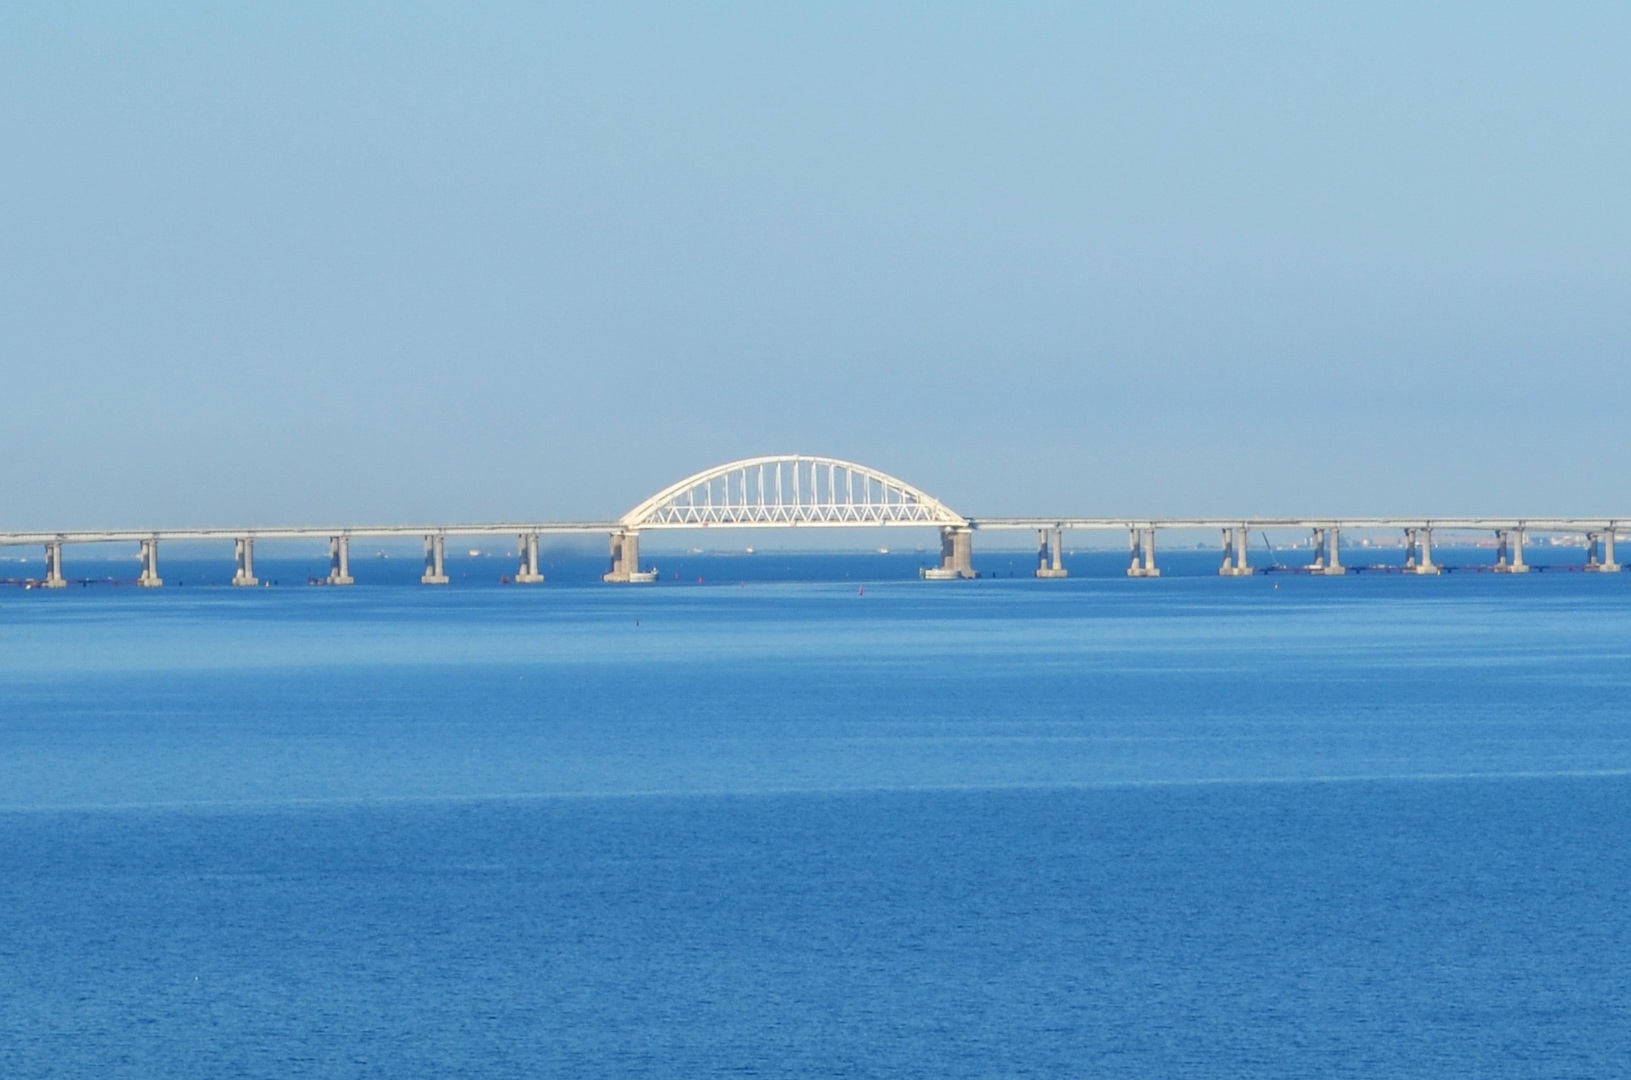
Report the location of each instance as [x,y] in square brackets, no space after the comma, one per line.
[790,490]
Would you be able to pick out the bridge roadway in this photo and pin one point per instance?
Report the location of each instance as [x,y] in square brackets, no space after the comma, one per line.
[995,524]
[796,491]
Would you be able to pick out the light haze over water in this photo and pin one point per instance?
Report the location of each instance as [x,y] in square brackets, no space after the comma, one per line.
[343,263]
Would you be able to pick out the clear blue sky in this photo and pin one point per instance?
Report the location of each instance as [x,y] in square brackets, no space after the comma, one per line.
[313,263]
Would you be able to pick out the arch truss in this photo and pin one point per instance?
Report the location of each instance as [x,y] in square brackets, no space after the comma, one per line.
[790,490]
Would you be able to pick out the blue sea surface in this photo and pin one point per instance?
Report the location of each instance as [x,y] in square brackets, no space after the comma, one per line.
[1191,827]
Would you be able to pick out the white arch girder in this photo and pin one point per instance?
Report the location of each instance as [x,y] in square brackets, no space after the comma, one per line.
[786,491]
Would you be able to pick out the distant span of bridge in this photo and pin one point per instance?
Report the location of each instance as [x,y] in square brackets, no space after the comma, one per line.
[795,491]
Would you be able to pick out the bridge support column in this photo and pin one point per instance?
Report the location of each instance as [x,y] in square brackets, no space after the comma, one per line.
[626,560]
[1600,551]
[435,560]
[528,573]
[1050,562]
[1327,552]
[1141,544]
[339,561]
[53,567]
[1418,546]
[1509,552]
[150,565]
[1234,552]
[956,555]
[245,574]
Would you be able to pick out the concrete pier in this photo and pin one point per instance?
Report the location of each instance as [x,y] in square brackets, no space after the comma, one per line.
[245,573]
[339,561]
[53,567]
[956,555]
[1234,552]
[1141,545]
[435,560]
[626,560]
[150,565]
[1600,552]
[528,573]
[1509,552]
[1327,551]
[1418,547]
[1050,561]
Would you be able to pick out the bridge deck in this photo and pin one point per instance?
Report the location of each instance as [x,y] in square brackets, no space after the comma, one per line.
[1552,524]
[519,528]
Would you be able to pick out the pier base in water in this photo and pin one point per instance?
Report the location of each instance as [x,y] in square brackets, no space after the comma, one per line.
[245,573]
[956,556]
[528,573]
[1050,561]
[1141,543]
[150,565]
[339,561]
[626,561]
[435,560]
[1234,552]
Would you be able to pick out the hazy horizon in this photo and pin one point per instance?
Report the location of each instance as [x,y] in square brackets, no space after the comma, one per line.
[450,263]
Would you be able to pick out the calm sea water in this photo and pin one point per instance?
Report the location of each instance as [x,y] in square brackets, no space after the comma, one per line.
[1275,827]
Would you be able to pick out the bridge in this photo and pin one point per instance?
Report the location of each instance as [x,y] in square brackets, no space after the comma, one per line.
[796,491]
